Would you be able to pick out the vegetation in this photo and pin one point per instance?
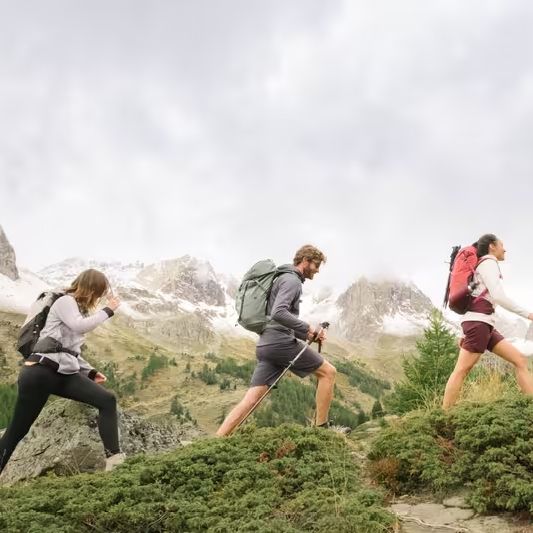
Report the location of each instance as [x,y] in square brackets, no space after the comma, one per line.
[122,385]
[486,447]
[230,367]
[426,375]
[181,413]
[286,479]
[8,396]
[362,379]
[207,375]
[155,363]
[294,401]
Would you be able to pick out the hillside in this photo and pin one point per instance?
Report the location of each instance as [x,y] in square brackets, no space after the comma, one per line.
[149,370]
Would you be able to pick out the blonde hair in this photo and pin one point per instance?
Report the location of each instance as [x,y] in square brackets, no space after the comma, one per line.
[309,252]
[88,288]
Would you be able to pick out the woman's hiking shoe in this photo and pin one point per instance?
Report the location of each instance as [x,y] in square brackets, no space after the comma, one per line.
[343,430]
[114,460]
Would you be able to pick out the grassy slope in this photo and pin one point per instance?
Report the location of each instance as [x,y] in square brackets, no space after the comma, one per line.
[130,347]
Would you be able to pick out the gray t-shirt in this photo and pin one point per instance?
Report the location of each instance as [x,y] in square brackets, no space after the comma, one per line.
[283,308]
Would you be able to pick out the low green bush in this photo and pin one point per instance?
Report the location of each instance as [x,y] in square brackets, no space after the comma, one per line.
[287,479]
[487,448]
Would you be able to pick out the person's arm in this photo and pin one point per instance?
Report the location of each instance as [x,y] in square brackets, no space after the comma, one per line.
[86,368]
[288,290]
[490,274]
[67,311]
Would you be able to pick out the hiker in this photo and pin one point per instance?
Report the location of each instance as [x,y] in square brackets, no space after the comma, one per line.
[478,323]
[56,366]
[278,343]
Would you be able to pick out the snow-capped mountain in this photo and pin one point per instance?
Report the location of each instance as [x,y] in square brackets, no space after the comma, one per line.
[63,274]
[18,288]
[17,295]
[190,287]
[160,290]
[369,308]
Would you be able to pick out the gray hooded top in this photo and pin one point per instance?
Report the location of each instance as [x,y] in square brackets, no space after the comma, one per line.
[68,326]
[283,308]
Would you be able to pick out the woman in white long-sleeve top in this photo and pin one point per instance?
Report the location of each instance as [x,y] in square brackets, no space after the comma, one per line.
[56,366]
[479,322]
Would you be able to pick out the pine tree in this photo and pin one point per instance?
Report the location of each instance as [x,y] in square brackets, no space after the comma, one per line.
[426,375]
[377,410]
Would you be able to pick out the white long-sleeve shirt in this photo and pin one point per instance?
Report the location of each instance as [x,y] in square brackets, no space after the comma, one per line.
[68,326]
[489,279]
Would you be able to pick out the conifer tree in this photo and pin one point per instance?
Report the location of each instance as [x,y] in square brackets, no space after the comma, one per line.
[427,373]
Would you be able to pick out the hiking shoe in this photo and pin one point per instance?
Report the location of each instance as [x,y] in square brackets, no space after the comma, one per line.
[342,430]
[114,460]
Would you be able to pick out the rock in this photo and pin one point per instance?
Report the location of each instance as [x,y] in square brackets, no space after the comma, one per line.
[456,501]
[436,513]
[65,440]
[490,524]
[402,509]
[365,305]
[188,278]
[8,262]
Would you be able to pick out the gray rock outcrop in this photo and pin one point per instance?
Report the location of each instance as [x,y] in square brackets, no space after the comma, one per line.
[8,260]
[65,440]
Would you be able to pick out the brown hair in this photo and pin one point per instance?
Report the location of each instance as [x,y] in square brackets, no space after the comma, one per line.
[483,243]
[88,288]
[309,252]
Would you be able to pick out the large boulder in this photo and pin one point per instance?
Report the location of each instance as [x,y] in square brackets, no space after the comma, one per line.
[65,440]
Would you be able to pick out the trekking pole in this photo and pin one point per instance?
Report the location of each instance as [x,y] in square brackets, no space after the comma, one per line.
[323,326]
[455,251]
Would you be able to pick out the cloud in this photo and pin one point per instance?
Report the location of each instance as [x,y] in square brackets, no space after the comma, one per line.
[384,133]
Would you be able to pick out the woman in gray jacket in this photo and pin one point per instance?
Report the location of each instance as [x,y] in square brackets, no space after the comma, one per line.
[56,367]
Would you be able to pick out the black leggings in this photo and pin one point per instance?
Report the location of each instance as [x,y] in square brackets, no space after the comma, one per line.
[36,383]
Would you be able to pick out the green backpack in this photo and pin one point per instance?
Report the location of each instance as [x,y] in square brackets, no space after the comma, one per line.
[253,293]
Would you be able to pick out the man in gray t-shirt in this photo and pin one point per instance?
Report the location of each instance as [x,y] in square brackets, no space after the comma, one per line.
[279,343]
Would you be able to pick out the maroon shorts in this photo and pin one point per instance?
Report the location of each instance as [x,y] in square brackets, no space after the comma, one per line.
[479,336]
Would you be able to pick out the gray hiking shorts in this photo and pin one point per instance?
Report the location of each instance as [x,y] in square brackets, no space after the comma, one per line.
[272,359]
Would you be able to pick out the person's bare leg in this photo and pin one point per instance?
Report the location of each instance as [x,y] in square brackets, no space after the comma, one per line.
[241,409]
[465,363]
[507,351]
[325,374]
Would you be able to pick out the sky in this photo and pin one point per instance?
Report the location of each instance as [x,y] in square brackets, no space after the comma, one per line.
[383,132]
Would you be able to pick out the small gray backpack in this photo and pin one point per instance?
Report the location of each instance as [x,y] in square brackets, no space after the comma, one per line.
[253,293]
[35,322]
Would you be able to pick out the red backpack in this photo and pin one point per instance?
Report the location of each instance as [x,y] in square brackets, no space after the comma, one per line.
[458,297]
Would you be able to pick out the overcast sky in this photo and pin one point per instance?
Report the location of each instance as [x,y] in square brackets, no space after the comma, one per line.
[384,132]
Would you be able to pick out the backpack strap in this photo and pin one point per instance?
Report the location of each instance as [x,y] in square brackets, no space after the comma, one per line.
[51,345]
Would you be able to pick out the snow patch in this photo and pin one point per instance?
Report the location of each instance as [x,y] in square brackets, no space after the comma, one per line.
[18,295]
[403,326]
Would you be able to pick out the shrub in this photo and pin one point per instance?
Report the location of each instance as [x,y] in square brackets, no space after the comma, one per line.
[8,397]
[286,479]
[427,374]
[487,448]
[230,367]
[362,379]
[155,363]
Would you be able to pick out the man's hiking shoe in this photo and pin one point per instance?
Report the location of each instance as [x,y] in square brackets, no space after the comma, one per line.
[343,430]
[114,460]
